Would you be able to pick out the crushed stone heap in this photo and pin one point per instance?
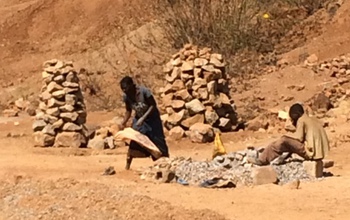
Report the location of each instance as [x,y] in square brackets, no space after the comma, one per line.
[61,115]
[232,167]
[197,90]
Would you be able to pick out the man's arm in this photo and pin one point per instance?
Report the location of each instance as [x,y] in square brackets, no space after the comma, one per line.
[299,134]
[151,102]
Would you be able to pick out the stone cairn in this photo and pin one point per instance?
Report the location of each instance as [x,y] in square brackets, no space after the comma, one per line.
[197,91]
[61,115]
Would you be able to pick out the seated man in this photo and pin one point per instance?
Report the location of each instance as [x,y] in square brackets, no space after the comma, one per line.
[309,141]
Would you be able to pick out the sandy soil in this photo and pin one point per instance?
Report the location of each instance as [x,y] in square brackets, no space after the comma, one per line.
[61,183]
[56,175]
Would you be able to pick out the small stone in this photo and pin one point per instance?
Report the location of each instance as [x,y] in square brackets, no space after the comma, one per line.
[58,124]
[97,143]
[50,119]
[168,67]
[175,118]
[103,132]
[177,105]
[43,140]
[201,133]
[45,74]
[51,62]
[72,77]
[59,94]
[71,90]
[21,104]
[199,82]
[70,99]
[10,113]
[38,125]
[211,117]
[189,84]
[70,85]
[264,175]
[59,64]
[225,124]
[199,62]
[52,70]
[216,62]
[175,74]
[195,107]
[167,99]
[48,129]
[42,106]
[59,79]
[203,93]
[178,85]
[66,108]
[312,59]
[176,62]
[314,168]
[183,95]
[68,139]
[53,87]
[176,133]
[69,126]
[69,116]
[224,99]
[53,111]
[197,72]
[45,96]
[185,77]
[51,103]
[212,87]
[187,66]
[198,118]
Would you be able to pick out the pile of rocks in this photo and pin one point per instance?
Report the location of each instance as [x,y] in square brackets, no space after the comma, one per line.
[103,136]
[61,115]
[197,91]
[20,105]
[233,167]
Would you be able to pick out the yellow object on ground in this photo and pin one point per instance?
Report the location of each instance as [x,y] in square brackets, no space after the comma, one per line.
[266,16]
[219,148]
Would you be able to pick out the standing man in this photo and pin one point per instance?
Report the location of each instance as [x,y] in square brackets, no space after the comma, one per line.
[147,119]
[309,141]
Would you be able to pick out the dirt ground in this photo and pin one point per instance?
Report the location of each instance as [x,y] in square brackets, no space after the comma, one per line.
[67,183]
[62,183]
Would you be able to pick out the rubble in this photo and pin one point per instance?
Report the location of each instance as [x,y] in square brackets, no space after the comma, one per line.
[232,167]
[61,115]
[197,90]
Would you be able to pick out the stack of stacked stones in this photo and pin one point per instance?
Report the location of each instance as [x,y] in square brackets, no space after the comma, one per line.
[197,90]
[61,115]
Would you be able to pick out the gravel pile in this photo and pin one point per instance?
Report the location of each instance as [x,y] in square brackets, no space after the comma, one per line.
[232,167]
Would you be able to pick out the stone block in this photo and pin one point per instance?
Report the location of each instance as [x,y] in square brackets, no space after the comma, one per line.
[314,168]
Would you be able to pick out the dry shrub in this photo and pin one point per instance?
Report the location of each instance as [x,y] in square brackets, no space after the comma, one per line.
[224,25]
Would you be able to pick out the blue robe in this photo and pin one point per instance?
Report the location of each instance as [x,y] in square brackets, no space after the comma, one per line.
[152,126]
